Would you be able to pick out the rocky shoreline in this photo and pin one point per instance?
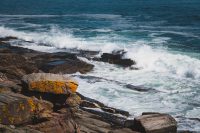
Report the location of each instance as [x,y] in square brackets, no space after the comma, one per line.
[49,110]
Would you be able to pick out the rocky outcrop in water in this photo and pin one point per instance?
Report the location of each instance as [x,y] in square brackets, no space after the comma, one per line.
[116,57]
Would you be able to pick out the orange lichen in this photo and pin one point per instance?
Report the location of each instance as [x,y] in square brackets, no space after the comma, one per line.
[73,85]
[56,87]
[32,105]
[21,106]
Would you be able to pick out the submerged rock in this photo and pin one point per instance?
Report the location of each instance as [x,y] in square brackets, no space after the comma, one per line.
[155,123]
[50,83]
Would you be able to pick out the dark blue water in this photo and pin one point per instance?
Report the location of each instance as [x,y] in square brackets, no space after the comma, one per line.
[178,20]
[162,36]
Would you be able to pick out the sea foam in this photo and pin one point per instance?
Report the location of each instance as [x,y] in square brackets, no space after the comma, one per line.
[147,57]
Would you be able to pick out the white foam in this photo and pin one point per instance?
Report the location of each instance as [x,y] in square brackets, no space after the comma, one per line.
[95,16]
[149,59]
[164,62]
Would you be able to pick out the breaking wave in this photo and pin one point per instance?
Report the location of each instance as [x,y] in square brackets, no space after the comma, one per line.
[147,57]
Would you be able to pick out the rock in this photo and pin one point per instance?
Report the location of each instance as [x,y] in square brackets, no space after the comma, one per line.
[50,83]
[13,65]
[124,130]
[116,57]
[62,63]
[89,104]
[73,101]
[8,38]
[155,123]
[3,77]
[60,123]
[92,103]
[139,88]
[9,86]
[92,123]
[115,119]
[17,109]
[8,129]
[17,61]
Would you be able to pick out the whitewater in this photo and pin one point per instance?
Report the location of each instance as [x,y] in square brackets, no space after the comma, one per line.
[175,76]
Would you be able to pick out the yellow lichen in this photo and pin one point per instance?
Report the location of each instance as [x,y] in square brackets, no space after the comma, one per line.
[11,119]
[73,85]
[56,87]
[32,104]
[21,106]
[4,109]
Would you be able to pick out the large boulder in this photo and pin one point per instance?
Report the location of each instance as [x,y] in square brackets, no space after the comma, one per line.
[155,123]
[17,109]
[50,83]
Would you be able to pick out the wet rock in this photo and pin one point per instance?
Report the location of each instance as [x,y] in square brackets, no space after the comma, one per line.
[17,109]
[62,63]
[116,57]
[92,103]
[139,88]
[115,119]
[94,79]
[88,104]
[155,123]
[50,83]
[8,38]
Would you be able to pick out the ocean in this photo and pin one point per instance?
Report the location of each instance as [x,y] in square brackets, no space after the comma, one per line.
[162,36]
